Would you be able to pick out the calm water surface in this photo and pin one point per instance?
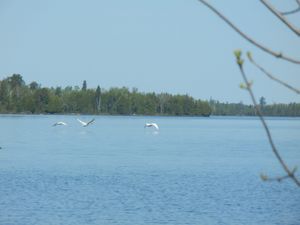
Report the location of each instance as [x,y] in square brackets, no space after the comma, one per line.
[193,171]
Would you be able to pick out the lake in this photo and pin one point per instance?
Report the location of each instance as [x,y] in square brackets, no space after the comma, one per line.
[115,171]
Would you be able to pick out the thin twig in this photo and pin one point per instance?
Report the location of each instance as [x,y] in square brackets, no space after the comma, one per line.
[258,112]
[279,179]
[281,17]
[252,41]
[292,11]
[271,76]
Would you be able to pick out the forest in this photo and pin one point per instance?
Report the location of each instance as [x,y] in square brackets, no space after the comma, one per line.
[240,109]
[18,97]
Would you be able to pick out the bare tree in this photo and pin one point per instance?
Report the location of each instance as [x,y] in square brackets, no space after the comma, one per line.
[290,173]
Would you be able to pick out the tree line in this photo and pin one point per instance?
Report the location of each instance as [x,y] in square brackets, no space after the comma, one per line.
[18,97]
[240,109]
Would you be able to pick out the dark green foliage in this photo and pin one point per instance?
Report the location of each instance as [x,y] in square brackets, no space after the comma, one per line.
[98,100]
[262,102]
[41,98]
[17,97]
[240,109]
[33,85]
[84,86]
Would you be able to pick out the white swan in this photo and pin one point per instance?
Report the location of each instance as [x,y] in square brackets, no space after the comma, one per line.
[152,125]
[85,124]
[59,123]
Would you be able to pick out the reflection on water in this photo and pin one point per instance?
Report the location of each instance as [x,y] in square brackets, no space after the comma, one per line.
[192,171]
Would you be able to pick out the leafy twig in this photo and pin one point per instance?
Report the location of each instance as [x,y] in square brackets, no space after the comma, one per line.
[270,75]
[252,41]
[281,17]
[290,173]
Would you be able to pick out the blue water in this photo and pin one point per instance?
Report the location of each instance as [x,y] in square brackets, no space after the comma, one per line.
[192,171]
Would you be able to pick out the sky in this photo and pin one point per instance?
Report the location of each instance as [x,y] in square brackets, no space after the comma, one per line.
[174,46]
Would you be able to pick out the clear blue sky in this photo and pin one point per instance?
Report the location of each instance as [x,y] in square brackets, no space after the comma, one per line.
[174,46]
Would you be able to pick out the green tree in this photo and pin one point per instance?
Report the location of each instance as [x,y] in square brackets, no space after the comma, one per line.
[41,100]
[33,85]
[98,99]
[262,102]
[55,104]
[84,86]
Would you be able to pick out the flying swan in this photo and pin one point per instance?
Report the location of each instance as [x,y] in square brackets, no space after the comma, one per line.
[152,125]
[85,124]
[59,123]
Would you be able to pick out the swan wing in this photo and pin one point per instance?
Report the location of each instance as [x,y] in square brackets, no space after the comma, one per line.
[91,121]
[82,123]
[59,123]
[155,125]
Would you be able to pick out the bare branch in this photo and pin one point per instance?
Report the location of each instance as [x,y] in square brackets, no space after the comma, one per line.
[292,11]
[281,17]
[279,179]
[258,112]
[252,41]
[270,75]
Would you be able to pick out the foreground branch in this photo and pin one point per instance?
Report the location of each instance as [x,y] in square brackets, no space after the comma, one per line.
[252,41]
[281,17]
[279,179]
[292,11]
[290,173]
[270,75]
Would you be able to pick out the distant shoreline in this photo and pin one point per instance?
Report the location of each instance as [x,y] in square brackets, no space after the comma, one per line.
[139,115]
[17,97]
